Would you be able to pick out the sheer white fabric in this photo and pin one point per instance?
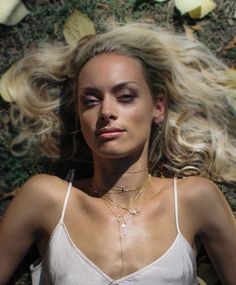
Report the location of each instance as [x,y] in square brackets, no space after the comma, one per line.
[65,264]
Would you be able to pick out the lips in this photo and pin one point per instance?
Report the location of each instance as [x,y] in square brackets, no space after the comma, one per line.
[109,133]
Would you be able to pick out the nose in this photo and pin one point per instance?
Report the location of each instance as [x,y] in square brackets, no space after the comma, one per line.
[108,110]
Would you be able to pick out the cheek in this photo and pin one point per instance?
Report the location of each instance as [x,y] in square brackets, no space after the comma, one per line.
[86,123]
[142,116]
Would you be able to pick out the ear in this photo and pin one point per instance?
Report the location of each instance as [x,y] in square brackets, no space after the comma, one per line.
[159,111]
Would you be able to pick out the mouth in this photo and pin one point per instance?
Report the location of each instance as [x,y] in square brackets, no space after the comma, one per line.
[109,133]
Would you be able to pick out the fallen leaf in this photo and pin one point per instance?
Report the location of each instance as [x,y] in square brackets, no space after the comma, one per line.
[111,22]
[207,273]
[12,12]
[103,6]
[197,28]
[77,26]
[3,87]
[8,195]
[185,6]
[200,12]
[188,32]
[231,44]
[149,20]
[197,9]
[230,22]
[231,74]
[160,1]
[201,282]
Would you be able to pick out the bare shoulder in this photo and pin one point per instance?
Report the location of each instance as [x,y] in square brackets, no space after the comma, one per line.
[204,202]
[196,187]
[200,193]
[42,188]
[40,198]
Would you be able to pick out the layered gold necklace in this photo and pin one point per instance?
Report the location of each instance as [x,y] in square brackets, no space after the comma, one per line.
[132,210]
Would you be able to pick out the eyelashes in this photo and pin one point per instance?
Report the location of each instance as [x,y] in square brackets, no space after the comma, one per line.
[126,98]
[123,97]
[90,100]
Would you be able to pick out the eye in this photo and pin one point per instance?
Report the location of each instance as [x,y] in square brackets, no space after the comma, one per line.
[126,96]
[89,100]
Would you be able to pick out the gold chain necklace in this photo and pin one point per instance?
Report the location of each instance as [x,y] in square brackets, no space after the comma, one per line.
[114,190]
[132,210]
[121,219]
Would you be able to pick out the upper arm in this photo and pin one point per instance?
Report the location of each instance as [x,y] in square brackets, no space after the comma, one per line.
[217,228]
[22,220]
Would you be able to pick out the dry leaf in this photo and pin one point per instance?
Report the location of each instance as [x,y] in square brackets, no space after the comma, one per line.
[149,20]
[200,12]
[189,32]
[77,26]
[3,87]
[8,195]
[201,282]
[185,6]
[111,22]
[12,12]
[207,273]
[160,1]
[231,74]
[197,28]
[197,9]
[231,44]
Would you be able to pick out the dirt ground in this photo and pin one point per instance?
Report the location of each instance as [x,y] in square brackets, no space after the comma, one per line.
[45,23]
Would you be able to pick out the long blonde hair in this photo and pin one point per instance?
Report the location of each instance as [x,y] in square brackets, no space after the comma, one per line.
[198,135]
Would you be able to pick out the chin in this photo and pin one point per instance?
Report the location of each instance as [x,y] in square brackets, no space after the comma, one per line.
[111,154]
[117,152]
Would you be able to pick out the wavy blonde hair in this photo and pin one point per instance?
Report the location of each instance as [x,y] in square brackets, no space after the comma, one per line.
[198,135]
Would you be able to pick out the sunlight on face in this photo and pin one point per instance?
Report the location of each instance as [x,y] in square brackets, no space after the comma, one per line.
[115,106]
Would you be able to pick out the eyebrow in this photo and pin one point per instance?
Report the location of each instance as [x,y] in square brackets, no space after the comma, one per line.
[121,85]
[87,89]
[114,89]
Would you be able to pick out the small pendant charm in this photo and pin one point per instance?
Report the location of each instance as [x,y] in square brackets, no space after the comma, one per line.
[135,211]
[124,229]
[123,224]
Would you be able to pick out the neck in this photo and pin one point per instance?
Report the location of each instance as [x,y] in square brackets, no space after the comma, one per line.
[110,176]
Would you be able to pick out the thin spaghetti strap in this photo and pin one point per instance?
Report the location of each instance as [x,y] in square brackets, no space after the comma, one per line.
[70,177]
[176,205]
[65,202]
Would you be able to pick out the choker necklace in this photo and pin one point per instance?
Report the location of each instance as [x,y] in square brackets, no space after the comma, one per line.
[116,189]
[131,171]
[132,210]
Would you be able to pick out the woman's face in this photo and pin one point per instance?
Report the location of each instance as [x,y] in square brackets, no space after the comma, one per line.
[115,106]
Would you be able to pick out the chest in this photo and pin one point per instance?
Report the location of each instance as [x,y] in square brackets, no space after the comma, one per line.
[119,243]
[67,264]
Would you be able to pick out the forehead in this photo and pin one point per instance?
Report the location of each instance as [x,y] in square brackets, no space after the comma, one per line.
[113,68]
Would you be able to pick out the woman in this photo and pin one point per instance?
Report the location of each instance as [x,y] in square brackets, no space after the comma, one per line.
[144,102]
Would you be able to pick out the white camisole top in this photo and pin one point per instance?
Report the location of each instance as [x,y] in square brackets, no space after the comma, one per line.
[65,264]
